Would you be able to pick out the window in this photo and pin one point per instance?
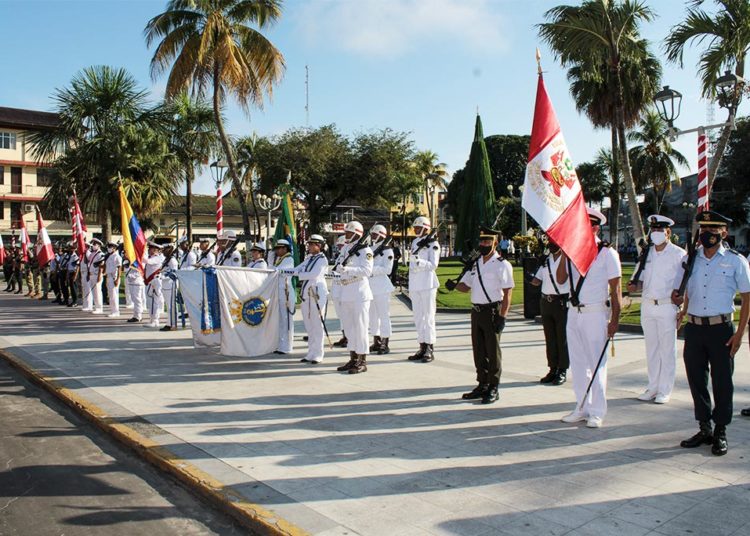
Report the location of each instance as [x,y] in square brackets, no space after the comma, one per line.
[2,210]
[45,176]
[15,214]
[2,175]
[8,140]
[15,180]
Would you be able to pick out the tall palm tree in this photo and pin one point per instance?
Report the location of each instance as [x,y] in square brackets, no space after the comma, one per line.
[434,176]
[244,148]
[212,46]
[193,139]
[602,33]
[727,34]
[107,130]
[654,160]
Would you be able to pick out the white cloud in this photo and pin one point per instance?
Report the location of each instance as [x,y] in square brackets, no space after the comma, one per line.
[393,27]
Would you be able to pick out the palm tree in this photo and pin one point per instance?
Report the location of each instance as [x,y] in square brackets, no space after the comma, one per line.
[193,138]
[211,45]
[434,176]
[106,131]
[602,34]
[654,160]
[244,148]
[727,33]
[606,160]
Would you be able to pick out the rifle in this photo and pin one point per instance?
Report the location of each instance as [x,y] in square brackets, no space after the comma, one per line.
[469,260]
[363,242]
[425,241]
[645,249]
[204,254]
[383,246]
[171,256]
[689,263]
[228,252]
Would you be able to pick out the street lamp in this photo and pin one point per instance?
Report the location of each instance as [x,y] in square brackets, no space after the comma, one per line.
[523,211]
[218,169]
[269,204]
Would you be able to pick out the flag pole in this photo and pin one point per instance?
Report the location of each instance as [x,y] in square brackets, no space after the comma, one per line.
[538,61]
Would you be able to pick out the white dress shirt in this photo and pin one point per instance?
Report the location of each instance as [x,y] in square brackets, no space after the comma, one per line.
[550,265]
[496,274]
[659,272]
[595,289]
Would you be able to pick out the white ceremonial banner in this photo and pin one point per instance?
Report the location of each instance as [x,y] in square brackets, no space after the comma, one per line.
[191,288]
[249,311]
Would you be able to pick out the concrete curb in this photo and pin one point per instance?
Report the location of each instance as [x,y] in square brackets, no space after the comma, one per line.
[256,518]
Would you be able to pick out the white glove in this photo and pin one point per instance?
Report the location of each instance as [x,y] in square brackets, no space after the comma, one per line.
[341,269]
[419,263]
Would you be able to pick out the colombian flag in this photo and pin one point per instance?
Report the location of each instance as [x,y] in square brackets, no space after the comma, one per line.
[134,240]
[286,228]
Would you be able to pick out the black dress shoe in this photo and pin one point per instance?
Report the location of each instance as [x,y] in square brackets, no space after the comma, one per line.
[132,320]
[703,437]
[560,377]
[549,377]
[491,395]
[429,355]
[745,412]
[279,352]
[304,360]
[477,392]
[720,446]
[420,353]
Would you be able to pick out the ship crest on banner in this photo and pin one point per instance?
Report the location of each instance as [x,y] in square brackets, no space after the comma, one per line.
[251,311]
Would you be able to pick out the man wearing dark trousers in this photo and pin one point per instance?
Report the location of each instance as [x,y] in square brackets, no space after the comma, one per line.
[710,339]
[490,281]
[554,311]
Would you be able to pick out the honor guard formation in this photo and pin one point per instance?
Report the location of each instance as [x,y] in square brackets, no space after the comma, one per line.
[579,313]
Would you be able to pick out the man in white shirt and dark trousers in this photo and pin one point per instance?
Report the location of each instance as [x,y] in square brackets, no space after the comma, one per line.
[423,284]
[593,317]
[490,280]
[653,275]
[554,312]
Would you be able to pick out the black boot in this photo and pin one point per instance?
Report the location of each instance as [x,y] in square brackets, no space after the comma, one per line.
[420,353]
[342,343]
[384,346]
[560,377]
[491,395]
[703,437]
[352,362]
[428,354]
[745,412]
[477,392]
[376,344]
[360,365]
[720,446]
[550,376]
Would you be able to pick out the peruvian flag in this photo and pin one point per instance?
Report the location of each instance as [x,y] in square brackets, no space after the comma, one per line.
[2,250]
[552,194]
[25,242]
[44,252]
[79,228]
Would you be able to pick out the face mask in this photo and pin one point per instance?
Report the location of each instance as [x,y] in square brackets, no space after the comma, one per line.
[553,248]
[658,237]
[709,239]
[485,250]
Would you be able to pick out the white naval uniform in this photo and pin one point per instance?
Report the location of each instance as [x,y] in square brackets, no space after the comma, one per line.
[423,285]
[154,295]
[208,260]
[659,317]
[587,330]
[287,303]
[311,272]
[112,271]
[169,291]
[233,259]
[86,301]
[335,295]
[95,286]
[381,287]
[260,264]
[187,261]
[135,286]
[355,296]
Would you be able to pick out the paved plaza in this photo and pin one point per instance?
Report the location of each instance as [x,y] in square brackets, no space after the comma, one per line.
[395,451]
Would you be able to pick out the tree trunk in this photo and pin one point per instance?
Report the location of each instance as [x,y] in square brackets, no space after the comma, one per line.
[236,184]
[251,194]
[427,202]
[614,194]
[107,225]
[189,178]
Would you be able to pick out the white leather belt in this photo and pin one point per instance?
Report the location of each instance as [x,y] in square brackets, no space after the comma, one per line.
[589,307]
[350,281]
[660,301]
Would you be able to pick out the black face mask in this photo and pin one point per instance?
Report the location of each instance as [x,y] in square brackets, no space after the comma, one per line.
[553,248]
[709,239]
[485,250]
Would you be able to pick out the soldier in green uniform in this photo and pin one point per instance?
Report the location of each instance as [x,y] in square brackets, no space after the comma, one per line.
[711,341]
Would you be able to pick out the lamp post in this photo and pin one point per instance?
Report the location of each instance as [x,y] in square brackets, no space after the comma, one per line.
[688,208]
[269,204]
[524,222]
[218,169]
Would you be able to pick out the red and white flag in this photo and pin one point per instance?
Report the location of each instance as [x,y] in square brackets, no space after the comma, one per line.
[552,194]
[44,251]
[2,250]
[79,228]
[25,242]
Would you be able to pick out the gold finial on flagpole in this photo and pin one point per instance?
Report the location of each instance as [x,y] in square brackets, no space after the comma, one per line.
[538,61]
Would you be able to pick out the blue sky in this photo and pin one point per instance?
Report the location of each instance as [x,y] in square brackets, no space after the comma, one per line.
[422,66]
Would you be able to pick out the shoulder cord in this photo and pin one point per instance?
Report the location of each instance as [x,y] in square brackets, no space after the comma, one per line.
[552,279]
[479,274]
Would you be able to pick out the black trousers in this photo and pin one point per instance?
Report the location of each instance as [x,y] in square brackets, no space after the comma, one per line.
[72,288]
[706,352]
[53,283]
[554,319]
[485,343]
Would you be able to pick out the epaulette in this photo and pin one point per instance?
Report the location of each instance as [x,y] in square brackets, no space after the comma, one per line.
[730,250]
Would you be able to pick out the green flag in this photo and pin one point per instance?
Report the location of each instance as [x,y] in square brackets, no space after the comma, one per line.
[285,227]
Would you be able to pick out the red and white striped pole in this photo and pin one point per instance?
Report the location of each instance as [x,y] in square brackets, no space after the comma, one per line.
[702,171]
[219,212]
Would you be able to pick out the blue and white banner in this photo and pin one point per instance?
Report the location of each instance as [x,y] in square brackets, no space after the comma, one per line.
[195,295]
[249,311]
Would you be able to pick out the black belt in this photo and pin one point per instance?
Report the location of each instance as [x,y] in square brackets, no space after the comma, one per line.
[476,307]
[555,297]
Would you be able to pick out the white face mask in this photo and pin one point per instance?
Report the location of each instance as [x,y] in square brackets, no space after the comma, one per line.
[658,237]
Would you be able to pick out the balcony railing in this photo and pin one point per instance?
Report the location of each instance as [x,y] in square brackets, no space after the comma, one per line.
[25,190]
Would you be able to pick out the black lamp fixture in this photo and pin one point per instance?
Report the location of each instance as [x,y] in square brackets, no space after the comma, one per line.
[668,102]
[218,169]
[725,88]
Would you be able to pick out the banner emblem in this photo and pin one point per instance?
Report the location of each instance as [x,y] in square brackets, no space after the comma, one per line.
[252,312]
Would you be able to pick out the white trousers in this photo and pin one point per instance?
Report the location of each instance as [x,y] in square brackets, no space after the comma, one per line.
[380,317]
[128,295]
[337,308]
[423,304]
[95,293]
[355,316]
[138,295]
[170,297]
[86,300]
[286,326]
[587,333]
[113,292]
[314,328]
[155,302]
[659,324]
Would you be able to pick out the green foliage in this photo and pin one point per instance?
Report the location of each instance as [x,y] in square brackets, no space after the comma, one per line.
[594,180]
[732,196]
